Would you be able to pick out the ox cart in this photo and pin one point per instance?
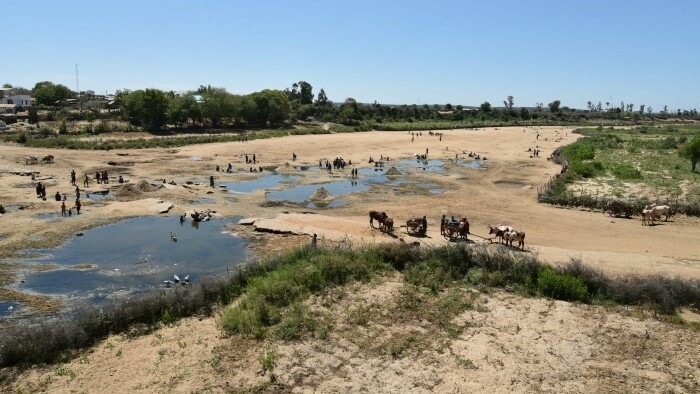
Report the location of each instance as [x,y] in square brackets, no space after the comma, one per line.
[618,208]
[416,227]
[454,231]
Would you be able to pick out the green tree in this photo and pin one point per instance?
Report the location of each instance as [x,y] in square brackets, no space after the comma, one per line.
[91,116]
[33,115]
[301,93]
[147,108]
[508,103]
[322,99]
[554,106]
[524,113]
[183,109]
[269,106]
[218,105]
[306,95]
[691,151]
[48,93]
[485,107]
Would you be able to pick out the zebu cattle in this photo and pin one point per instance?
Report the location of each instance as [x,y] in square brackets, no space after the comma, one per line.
[388,225]
[47,159]
[499,231]
[31,160]
[378,216]
[660,210]
[648,214]
[515,235]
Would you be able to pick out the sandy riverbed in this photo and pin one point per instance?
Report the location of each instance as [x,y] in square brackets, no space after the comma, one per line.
[523,345]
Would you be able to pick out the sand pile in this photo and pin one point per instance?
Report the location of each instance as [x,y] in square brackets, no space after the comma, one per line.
[321,194]
[135,190]
[393,171]
[286,167]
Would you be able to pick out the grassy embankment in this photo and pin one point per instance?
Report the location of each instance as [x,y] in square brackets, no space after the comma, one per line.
[113,138]
[639,164]
[271,296]
[437,125]
[105,141]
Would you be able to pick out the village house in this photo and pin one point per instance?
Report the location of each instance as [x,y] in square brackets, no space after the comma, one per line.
[9,97]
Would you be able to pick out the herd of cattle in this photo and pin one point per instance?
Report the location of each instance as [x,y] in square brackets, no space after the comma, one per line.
[649,213]
[508,235]
[35,160]
[654,212]
[417,226]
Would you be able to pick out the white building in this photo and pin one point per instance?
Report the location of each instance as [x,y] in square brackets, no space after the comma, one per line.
[8,96]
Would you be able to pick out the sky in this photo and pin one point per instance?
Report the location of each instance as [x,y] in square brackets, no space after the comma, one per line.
[393,52]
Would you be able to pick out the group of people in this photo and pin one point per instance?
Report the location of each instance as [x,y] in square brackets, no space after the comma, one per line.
[67,212]
[339,163]
[417,134]
[463,223]
[229,169]
[102,177]
[249,160]
[41,191]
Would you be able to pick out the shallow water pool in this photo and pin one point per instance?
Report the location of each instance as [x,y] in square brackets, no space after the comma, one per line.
[7,308]
[263,182]
[135,255]
[303,192]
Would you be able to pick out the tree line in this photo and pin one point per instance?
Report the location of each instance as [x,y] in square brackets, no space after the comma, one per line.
[215,107]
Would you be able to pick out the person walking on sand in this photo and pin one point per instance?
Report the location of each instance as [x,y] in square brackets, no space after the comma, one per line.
[63,209]
[77,206]
[86,181]
[77,192]
[442,225]
[211,181]
[72,177]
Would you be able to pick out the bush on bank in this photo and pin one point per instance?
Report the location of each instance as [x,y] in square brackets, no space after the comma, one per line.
[271,294]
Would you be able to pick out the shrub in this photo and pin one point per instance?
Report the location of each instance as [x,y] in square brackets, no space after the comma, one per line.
[102,127]
[561,286]
[63,127]
[46,132]
[626,172]
[584,149]
[273,294]
[298,322]
[669,143]
[586,169]
[22,138]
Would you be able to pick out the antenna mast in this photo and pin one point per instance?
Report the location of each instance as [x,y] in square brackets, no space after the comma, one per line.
[77,81]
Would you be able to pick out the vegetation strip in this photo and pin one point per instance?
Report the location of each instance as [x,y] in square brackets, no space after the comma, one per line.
[271,293]
[653,157]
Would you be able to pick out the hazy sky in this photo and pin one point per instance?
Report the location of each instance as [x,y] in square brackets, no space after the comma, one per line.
[394,52]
